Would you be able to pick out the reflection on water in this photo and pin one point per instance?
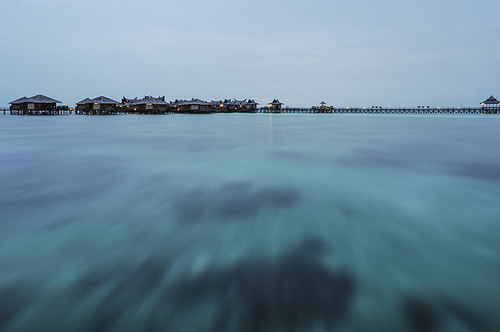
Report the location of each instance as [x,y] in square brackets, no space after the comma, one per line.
[249,223]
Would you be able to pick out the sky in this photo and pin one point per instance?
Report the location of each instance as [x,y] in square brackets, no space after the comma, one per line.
[345,53]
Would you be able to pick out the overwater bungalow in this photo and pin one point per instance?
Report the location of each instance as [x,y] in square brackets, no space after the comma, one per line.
[234,105]
[97,106]
[38,105]
[239,105]
[217,105]
[194,106]
[251,105]
[147,105]
[491,105]
[226,105]
[231,105]
[275,105]
[247,105]
[491,102]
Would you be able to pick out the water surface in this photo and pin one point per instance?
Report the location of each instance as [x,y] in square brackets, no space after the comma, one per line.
[250,223]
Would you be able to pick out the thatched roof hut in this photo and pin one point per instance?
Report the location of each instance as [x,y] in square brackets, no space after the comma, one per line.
[194,106]
[148,104]
[491,101]
[275,105]
[37,103]
[97,105]
[37,99]
[98,100]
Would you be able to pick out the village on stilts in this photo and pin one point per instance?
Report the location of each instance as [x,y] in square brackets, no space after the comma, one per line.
[43,105]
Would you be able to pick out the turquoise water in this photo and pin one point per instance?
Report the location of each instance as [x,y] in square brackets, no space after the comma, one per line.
[250,223]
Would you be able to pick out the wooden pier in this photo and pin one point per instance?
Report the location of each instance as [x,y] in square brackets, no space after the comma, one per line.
[60,110]
[379,110]
[63,110]
[43,105]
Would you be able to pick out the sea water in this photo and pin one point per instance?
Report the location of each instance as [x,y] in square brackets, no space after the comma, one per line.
[250,222]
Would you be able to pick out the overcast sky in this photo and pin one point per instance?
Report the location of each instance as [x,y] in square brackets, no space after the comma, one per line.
[346,53]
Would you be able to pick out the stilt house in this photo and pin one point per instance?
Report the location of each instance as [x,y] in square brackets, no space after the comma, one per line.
[98,105]
[147,105]
[36,105]
[275,105]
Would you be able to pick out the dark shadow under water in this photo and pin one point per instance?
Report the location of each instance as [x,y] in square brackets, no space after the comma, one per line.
[293,293]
